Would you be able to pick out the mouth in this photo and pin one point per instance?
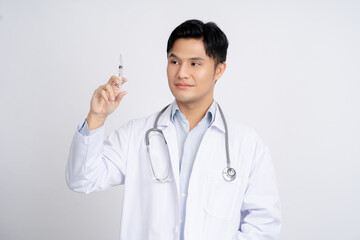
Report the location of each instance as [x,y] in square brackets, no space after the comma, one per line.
[183,85]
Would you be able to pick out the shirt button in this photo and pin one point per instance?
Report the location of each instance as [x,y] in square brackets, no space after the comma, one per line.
[180,220]
[176,228]
[189,140]
[187,166]
[183,195]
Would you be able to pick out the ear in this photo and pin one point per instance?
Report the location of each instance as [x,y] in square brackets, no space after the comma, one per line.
[220,69]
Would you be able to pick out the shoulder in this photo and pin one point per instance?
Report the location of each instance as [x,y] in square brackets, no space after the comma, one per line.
[245,139]
[145,121]
[240,128]
[242,132]
[135,129]
[140,124]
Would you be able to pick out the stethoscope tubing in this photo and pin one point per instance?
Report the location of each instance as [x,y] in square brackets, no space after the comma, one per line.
[229,173]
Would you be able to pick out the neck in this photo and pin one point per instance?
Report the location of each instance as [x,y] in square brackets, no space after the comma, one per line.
[195,111]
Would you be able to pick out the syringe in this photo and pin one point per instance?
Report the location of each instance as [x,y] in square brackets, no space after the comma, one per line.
[120,73]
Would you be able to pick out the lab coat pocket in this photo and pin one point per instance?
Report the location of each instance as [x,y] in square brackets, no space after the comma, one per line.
[220,197]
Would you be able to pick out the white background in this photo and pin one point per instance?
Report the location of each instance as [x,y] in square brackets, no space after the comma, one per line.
[293,74]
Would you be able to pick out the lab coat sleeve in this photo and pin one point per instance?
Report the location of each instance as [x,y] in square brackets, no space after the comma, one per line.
[95,163]
[260,212]
[85,131]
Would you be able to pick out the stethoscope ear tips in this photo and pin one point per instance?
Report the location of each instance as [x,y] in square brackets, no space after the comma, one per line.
[229,174]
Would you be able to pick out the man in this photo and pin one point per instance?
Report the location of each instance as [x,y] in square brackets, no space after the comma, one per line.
[179,189]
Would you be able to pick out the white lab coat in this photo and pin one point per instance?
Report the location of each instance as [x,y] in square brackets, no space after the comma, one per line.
[246,209]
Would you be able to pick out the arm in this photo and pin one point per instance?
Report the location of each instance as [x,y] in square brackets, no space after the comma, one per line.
[94,163]
[260,213]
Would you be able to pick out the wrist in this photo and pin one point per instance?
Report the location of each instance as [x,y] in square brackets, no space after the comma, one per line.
[95,121]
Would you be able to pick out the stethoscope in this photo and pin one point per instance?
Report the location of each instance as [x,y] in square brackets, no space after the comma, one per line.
[228,173]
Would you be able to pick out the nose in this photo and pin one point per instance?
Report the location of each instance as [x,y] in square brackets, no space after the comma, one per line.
[183,71]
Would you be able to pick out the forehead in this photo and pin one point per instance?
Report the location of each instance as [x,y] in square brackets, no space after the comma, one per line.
[189,48]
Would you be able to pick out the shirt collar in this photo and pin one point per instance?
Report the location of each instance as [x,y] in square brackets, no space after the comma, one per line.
[216,120]
[210,114]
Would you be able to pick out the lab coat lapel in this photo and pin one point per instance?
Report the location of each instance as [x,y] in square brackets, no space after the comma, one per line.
[170,136]
[169,132]
[209,146]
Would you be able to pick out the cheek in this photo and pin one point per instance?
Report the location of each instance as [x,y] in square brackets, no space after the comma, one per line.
[205,76]
[171,72]
[169,76]
[167,71]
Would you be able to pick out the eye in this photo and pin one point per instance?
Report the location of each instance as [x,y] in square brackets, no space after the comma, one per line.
[195,64]
[174,62]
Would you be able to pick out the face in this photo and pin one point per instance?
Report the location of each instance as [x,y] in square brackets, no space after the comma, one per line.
[191,73]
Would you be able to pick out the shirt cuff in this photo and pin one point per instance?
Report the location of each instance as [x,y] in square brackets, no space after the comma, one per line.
[83,128]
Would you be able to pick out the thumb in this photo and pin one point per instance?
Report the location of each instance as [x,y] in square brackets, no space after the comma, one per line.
[120,96]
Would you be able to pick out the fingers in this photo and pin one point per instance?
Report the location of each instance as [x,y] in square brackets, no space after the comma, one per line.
[114,80]
[104,94]
[121,94]
[110,91]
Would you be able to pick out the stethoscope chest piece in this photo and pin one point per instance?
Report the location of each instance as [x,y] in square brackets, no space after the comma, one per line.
[229,174]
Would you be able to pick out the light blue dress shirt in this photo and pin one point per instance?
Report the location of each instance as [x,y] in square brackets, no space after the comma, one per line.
[188,145]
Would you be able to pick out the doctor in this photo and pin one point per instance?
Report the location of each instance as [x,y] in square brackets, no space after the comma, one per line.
[179,190]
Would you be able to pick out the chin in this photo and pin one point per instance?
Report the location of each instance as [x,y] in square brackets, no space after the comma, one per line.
[185,99]
[184,96]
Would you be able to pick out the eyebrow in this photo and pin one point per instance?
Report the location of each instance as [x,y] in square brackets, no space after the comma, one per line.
[193,58]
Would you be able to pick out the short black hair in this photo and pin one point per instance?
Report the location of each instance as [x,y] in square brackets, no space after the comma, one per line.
[215,40]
